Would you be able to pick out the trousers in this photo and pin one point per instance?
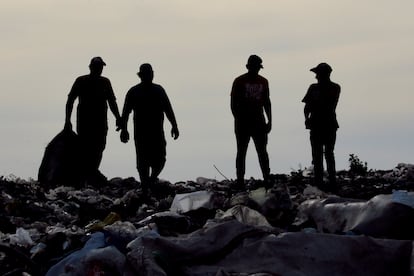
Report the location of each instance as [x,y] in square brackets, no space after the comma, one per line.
[259,136]
[323,142]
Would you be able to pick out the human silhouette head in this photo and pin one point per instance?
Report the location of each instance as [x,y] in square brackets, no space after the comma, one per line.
[254,64]
[96,66]
[323,71]
[146,73]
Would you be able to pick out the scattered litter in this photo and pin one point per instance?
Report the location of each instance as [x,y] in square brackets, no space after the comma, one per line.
[205,227]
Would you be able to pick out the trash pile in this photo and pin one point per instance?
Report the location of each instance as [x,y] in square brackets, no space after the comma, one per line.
[206,227]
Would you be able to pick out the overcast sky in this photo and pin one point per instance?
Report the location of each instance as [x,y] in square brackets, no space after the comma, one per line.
[197,48]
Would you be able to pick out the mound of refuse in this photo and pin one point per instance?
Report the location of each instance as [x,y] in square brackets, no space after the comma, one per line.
[208,227]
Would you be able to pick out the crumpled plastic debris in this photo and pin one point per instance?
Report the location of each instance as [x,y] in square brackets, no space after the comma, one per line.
[21,238]
[183,203]
[313,192]
[244,215]
[380,217]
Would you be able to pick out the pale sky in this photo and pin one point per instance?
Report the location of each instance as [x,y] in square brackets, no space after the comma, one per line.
[197,48]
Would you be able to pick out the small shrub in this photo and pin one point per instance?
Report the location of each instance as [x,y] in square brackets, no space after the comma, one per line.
[356,166]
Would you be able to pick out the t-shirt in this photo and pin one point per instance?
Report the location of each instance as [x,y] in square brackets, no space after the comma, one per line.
[149,103]
[93,93]
[249,95]
[322,99]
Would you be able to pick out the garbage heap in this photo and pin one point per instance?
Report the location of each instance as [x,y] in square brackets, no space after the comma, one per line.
[205,227]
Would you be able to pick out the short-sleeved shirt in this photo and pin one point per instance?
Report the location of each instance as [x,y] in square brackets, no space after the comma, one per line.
[149,103]
[93,93]
[322,99]
[249,95]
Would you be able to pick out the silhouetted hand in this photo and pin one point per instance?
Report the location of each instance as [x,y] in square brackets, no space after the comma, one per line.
[175,133]
[119,124]
[124,136]
[68,125]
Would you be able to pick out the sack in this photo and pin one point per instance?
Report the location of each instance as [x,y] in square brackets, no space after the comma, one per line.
[60,163]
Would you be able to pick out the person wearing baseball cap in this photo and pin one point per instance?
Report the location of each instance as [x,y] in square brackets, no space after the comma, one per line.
[149,103]
[320,101]
[94,93]
[322,68]
[254,60]
[250,102]
[97,61]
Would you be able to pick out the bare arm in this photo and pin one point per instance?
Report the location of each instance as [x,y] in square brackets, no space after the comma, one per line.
[233,99]
[268,108]
[306,111]
[123,121]
[169,113]
[337,93]
[114,108]
[69,105]
[113,105]
[68,114]
[125,112]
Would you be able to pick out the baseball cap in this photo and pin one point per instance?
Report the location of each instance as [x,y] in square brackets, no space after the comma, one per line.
[97,60]
[255,60]
[322,68]
[145,67]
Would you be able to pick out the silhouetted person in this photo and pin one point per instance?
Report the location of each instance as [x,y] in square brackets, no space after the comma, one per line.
[94,94]
[250,102]
[149,102]
[320,101]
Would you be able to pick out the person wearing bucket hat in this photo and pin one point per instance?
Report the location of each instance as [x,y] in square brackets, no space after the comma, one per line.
[250,102]
[94,93]
[320,101]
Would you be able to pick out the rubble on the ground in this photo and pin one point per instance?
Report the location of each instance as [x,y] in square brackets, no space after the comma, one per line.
[206,227]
